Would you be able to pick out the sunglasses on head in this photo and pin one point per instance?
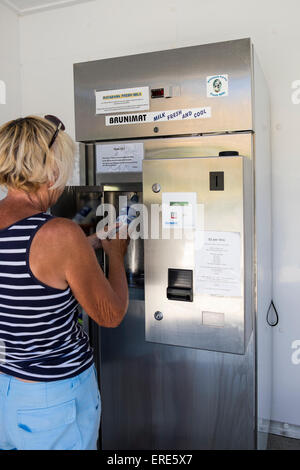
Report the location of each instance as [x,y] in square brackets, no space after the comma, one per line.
[59,126]
[53,119]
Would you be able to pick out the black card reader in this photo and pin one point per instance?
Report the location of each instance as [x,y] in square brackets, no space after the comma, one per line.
[180,285]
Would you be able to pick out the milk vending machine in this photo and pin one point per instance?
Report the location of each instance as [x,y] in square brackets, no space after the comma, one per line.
[184,135]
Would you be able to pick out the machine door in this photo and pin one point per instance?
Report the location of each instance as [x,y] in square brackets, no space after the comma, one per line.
[198,254]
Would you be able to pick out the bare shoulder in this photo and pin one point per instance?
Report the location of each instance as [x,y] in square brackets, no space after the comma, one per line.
[58,245]
[60,225]
[61,232]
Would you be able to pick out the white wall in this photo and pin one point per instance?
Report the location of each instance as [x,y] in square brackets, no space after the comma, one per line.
[52,41]
[9,65]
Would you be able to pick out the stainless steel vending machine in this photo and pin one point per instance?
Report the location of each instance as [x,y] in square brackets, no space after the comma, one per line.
[185,132]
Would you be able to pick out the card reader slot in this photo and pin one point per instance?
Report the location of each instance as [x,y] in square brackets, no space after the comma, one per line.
[180,285]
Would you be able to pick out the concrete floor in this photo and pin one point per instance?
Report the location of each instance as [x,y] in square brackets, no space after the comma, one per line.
[283,443]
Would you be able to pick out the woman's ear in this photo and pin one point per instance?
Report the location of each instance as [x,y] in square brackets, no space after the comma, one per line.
[50,184]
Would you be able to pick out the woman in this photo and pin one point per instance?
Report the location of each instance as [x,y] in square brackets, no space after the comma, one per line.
[49,397]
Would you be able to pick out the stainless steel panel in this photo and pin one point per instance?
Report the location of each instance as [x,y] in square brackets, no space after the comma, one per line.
[82,164]
[187,68]
[199,146]
[179,147]
[87,164]
[90,165]
[224,211]
[156,396]
[263,222]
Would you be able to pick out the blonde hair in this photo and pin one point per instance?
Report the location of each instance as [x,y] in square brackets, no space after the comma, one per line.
[26,162]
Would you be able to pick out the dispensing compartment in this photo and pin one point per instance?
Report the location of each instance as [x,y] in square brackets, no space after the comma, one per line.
[124,197]
[198,269]
[80,203]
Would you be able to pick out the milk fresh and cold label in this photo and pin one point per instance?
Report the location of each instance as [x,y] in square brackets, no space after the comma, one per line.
[159,116]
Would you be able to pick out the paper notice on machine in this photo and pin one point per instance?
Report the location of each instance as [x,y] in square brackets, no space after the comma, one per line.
[119,158]
[127,99]
[218,264]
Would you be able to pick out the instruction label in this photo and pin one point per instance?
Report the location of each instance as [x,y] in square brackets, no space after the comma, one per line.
[162,116]
[119,158]
[218,264]
[127,99]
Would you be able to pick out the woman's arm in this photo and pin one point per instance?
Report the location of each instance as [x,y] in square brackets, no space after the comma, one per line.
[61,255]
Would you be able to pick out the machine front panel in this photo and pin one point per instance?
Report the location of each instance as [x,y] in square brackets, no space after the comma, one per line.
[194,268]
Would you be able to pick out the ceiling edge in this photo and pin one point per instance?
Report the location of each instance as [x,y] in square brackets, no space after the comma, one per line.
[11,6]
[46,7]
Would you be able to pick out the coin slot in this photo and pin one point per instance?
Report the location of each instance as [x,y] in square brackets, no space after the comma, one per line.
[216,181]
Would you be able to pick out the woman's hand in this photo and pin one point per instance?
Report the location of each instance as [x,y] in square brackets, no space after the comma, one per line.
[94,241]
[111,245]
[117,245]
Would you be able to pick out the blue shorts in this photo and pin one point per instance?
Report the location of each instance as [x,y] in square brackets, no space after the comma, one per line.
[60,415]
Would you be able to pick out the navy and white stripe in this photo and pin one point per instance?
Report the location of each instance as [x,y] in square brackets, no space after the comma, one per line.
[42,338]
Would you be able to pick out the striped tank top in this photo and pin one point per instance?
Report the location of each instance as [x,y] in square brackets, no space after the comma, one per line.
[40,337]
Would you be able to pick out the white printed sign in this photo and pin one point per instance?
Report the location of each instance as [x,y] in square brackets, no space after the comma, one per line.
[128,99]
[179,210]
[159,116]
[217,85]
[119,158]
[218,264]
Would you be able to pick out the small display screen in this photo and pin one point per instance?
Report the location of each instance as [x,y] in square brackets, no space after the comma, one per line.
[179,203]
[157,93]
